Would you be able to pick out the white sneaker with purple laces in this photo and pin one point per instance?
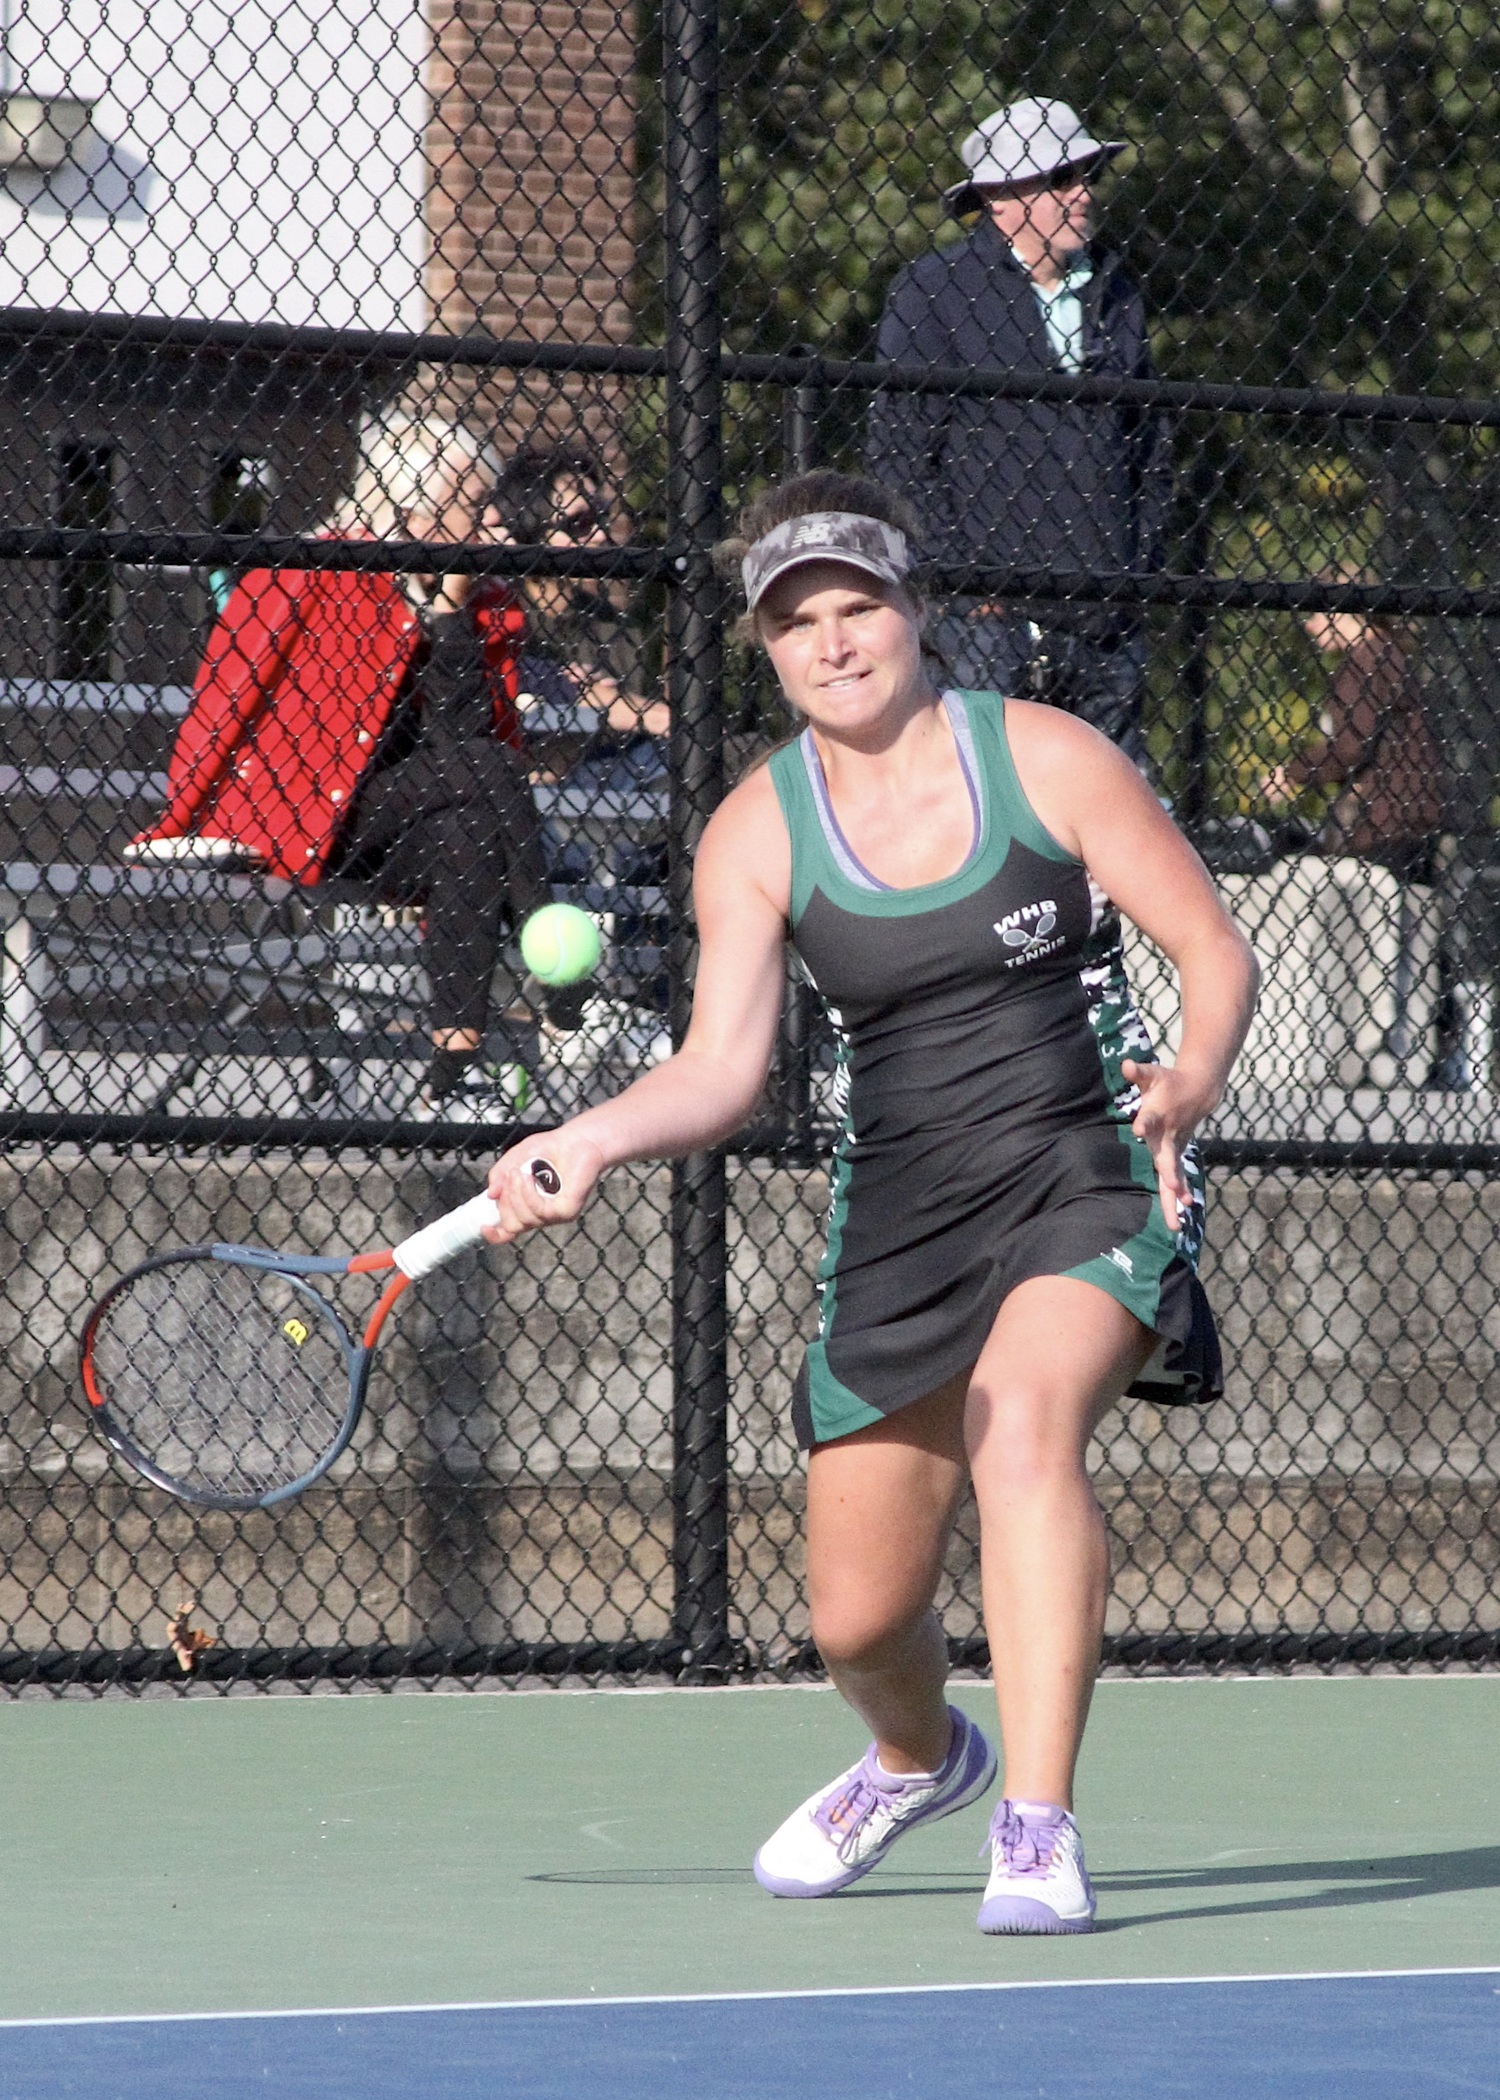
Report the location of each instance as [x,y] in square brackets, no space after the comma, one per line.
[1038,1881]
[847,1828]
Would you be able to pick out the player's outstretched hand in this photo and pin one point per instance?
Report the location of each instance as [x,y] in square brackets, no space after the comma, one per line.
[1170,1111]
[521,1195]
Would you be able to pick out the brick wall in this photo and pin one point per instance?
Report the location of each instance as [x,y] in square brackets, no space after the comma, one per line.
[531,147]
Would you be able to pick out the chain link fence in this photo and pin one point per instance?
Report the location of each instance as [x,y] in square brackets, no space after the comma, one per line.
[379,377]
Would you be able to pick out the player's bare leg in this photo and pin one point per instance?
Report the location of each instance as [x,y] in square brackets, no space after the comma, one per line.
[1059,1356]
[880,1506]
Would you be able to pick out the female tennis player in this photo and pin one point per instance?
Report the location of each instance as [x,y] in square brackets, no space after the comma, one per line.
[1016,1210]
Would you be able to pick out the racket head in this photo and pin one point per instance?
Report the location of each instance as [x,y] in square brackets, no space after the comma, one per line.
[229,1383]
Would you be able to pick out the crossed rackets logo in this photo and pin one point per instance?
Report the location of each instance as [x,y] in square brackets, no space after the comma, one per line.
[1027,938]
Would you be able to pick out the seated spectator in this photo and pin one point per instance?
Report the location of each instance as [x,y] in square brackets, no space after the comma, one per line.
[1376,750]
[575,657]
[366,726]
[588,730]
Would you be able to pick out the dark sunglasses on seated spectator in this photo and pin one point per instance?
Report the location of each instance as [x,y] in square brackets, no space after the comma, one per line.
[581,521]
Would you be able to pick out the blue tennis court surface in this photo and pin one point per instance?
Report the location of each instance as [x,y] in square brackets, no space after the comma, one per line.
[1281,2038]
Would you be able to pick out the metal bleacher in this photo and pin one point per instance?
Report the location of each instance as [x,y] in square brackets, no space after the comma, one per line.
[134,990]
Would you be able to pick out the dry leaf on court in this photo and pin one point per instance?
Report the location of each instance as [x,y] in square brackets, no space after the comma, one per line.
[187,1642]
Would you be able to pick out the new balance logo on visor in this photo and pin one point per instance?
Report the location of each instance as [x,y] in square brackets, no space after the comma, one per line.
[1027,930]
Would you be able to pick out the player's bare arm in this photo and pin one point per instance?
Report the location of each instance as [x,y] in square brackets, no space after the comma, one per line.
[1096,805]
[741,891]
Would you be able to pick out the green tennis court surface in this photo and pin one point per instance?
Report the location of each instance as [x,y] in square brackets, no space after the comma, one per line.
[287,1855]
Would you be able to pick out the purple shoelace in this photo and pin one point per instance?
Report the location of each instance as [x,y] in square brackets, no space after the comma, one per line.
[842,1813]
[1027,1846]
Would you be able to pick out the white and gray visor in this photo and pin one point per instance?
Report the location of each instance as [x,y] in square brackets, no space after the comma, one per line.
[826,535]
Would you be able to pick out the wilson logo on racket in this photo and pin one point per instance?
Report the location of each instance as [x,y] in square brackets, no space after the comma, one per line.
[1027,930]
[295,1331]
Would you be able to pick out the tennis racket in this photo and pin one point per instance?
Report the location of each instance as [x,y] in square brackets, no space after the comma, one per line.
[227,1377]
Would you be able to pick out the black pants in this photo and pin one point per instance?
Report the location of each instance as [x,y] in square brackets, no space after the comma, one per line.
[452,828]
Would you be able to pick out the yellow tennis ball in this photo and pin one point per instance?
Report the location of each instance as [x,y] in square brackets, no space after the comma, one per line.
[560,944]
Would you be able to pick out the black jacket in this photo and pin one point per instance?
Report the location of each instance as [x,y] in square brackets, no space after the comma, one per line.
[1019,484]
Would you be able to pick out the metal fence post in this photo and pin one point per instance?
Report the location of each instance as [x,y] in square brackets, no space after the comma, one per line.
[1196,639]
[695,473]
[803,409]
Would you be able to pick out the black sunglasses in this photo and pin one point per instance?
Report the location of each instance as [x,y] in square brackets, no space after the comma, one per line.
[579,524]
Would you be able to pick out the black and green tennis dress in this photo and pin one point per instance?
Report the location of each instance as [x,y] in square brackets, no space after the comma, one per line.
[980,1025]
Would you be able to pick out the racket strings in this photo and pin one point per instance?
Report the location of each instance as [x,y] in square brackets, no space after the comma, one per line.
[228,1379]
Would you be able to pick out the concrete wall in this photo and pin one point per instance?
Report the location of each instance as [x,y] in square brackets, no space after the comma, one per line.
[509,1482]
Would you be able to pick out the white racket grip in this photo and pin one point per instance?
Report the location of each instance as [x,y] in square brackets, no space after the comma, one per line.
[438,1242]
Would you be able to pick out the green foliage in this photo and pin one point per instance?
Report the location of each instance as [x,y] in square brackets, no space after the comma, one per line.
[1239,202]
[1309,199]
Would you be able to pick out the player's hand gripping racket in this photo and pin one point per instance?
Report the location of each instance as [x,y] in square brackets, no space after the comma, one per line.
[227,1378]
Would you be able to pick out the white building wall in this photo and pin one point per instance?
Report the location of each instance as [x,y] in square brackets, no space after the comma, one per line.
[254,160]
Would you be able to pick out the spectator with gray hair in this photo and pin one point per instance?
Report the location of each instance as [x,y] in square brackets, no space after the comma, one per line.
[363,724]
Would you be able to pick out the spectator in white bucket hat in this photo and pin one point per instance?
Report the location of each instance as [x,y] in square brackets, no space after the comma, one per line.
[1047,487]
[1023,143]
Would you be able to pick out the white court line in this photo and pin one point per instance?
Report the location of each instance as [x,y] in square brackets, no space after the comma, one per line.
[878,1990]
[410,1689]
[958,1680]
[240,1695]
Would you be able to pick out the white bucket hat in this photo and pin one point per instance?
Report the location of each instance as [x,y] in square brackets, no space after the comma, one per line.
[1022,141]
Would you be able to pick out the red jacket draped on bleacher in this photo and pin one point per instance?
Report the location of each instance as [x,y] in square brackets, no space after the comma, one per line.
[300,676]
